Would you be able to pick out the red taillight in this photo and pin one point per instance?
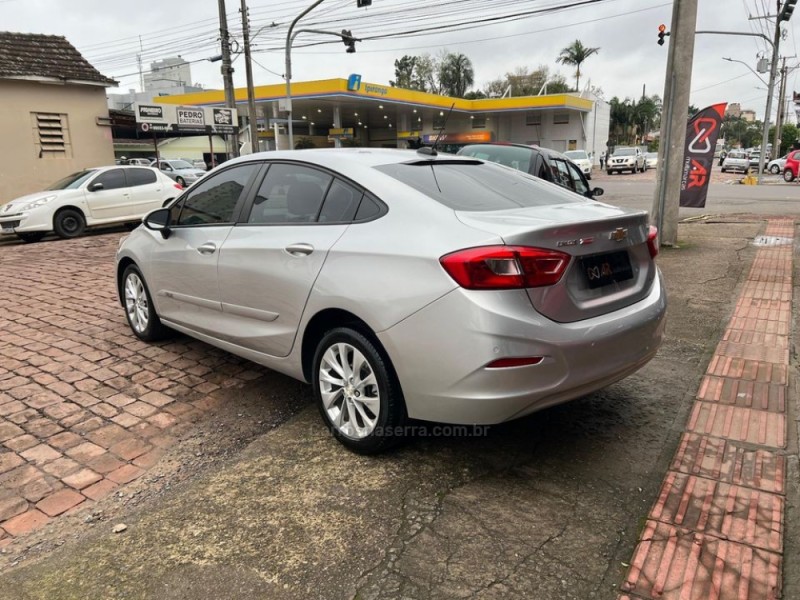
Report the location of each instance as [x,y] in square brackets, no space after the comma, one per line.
[505,267]
[652,241]
[179,186]
[505,363]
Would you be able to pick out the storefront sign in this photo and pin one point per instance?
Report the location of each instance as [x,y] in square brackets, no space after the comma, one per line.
[345,133]
[408,135]
[477,137]
[170,118]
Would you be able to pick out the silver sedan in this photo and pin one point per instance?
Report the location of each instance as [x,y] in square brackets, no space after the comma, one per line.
[401,284]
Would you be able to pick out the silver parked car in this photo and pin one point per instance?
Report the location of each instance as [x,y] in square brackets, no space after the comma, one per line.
[736,160]
[625,159]
[401,284]
[182,172]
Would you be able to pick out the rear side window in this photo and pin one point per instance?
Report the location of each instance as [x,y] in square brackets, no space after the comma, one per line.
[140,177]
[369,209]
[341,203]
[509,156]
[476,186]
[290,194]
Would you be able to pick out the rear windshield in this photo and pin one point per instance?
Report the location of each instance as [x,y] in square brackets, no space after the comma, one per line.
[515,157]
[478,186]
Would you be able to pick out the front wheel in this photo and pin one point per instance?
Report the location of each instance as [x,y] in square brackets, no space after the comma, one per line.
[69,223]
[357,392]
[139,309]
[609,172]
[788,175]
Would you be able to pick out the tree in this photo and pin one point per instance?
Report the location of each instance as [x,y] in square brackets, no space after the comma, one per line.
[574,55]
[404,72]
[456,75]
[631,121]
[789,134]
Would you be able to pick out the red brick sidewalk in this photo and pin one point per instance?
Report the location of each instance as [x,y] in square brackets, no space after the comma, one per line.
[84,406]
[716,529]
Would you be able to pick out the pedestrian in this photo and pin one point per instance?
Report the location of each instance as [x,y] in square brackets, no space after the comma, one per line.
[602,159]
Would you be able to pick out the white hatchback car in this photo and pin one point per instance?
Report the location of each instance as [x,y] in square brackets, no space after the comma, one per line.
[99,196]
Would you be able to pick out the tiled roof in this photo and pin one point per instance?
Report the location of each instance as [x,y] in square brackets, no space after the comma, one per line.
[36,55]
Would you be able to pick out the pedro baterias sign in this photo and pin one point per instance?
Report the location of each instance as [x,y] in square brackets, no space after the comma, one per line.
[698,155]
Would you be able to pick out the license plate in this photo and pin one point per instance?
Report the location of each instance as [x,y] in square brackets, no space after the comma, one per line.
[606,268]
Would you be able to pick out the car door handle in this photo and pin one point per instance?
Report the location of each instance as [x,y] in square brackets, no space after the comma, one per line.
[299,249]
[207,248]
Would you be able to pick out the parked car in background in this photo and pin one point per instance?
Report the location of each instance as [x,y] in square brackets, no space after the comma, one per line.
[791,170]
[626,159]
[178,169]
[753,159]
[197,163]
[736,160]
[776,166]
[544,163]
[267,257]
[100,196]
[581,158]
[139,162]
[651,160]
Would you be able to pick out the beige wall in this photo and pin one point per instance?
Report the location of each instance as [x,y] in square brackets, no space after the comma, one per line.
[21,169]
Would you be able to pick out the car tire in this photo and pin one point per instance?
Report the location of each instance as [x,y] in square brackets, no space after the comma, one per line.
[139,310]
[788,175]
[69,223]
[610,172]
[775,170]
[32,237]
[365,427]
[589,177]
[723,170]
[180,181]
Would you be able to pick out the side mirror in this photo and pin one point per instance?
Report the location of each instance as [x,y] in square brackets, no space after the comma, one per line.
[96,187]
[597,192]
[158,220]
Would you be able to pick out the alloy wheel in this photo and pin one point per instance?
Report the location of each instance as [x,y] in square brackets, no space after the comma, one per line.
[136,304]
[349,390]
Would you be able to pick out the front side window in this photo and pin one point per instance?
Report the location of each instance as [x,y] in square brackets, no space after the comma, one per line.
[564,177]
[213,200]
[113,179]
[290,194]
[577,178]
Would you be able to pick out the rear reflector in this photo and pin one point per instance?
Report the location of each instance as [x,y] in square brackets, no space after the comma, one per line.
[652,241]
[179,186]
[505,267]
[505,363]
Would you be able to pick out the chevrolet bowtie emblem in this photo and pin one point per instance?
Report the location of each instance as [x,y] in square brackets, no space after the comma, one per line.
[619,234]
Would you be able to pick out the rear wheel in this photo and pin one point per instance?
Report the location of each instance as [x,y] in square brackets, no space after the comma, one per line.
[69,223]
[788,175]
[775,169]
[30,238]
[357,392]
[180,181]
[139,309]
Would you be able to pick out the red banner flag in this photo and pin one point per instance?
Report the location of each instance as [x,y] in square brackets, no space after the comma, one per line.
[698,155]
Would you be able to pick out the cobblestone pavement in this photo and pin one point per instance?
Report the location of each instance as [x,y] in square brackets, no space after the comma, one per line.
[86,407]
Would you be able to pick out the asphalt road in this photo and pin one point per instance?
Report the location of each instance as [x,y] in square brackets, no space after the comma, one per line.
[779,199]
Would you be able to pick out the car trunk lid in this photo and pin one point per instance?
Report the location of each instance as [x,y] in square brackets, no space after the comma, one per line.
[610,265]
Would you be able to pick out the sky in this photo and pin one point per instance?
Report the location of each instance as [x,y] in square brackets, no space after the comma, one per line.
[110,34]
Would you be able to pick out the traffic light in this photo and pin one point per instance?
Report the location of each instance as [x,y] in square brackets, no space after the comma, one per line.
[787,10]
[363,3]
[662,32]
[349,40]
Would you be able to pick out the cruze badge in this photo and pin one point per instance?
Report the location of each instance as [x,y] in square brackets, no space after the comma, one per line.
[578,242]
[619,234]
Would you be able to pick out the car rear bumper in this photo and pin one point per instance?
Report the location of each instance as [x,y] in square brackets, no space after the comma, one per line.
[441,352]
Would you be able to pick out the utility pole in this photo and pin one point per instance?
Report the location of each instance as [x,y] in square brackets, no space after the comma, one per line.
[227,76]
[251,94]
[673,129]
[776,143]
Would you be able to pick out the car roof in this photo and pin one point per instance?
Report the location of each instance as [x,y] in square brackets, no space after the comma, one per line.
[335,157]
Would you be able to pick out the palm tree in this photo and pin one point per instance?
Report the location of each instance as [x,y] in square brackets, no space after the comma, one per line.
[456,75]
[575,54]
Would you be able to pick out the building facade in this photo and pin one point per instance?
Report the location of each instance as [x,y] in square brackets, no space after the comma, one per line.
[54,118]
[168,73]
